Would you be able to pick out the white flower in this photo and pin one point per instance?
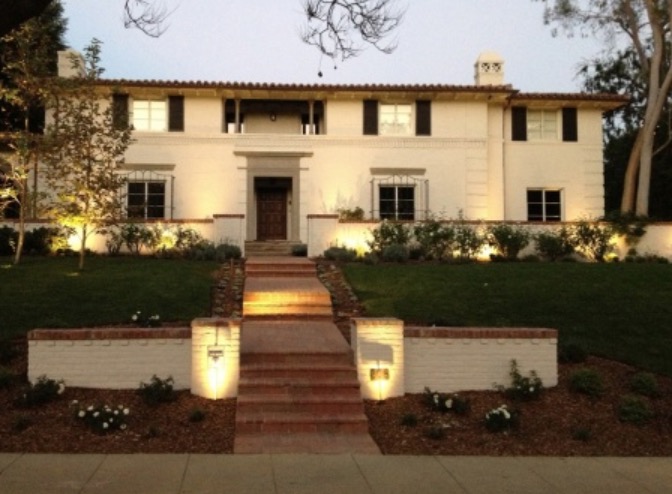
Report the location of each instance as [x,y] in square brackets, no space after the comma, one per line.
[81,414]
[105,426]
[74,402]
[531,389]
[134,317]
[95,414]
[111,420]
[506,414]
[126,411]
[436,399]
[61,388]
[90,408]
[116,412]
[122,427]
[449,403]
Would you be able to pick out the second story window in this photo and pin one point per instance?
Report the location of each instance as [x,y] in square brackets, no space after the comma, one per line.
[542,125]
[395,120]
[149,115]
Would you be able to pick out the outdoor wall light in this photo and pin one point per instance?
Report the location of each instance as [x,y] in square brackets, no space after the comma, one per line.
[215,355]
[379,374]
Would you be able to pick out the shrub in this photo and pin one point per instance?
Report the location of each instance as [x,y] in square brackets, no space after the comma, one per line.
[300,250]
[508,240]
[554,245]
[592,239]
[186,239]
[571,353]
[354,214]
[113,241]
[226,251]
[145,320]
[196,415]
[135,237]
[587,382]
[43,391]
[468,241]
[634,410]
[523,388]
[628,225]
[395,253]
[446,402]
[340,254]
[409,420]
[157,391]
[501,419]
[389,233]
[101,419]
[42,241]
[434,239]
[645,384]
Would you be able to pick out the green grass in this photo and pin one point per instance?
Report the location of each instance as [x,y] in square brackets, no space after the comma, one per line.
[51,293]
[620,311]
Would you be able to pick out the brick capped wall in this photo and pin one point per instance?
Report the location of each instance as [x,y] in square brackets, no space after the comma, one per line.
[112,358]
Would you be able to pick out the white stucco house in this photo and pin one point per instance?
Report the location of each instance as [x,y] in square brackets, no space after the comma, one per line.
[259,160]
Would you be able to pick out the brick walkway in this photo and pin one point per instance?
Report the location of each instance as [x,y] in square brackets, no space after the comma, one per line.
[298,390]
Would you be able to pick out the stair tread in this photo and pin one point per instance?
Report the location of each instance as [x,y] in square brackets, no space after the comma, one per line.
[298,398]
[267,416]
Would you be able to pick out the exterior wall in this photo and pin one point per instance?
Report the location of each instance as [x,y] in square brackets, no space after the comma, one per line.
[574,167]
[465,359]
[110,358]
[215,357]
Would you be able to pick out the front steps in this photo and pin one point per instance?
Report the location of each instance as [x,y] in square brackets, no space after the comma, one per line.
[269,248]
[298,388]
[289,289]
[298,391]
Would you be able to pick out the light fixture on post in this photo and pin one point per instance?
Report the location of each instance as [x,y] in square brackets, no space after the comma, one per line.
[379,375]
[216,368]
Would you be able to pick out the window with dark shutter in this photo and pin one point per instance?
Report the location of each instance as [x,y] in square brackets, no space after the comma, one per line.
[423,118]
[569,125]
[120,111]
[519,123]
[370,117]
[176,113]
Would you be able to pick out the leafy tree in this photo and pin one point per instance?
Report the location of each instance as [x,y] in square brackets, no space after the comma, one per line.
[644,27]
[333,26]
[84,154]
[27,63]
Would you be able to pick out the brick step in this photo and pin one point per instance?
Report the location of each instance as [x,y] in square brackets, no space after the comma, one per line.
[286,298]
[315,443]
[320,405]
[286,310]
[296,372]
[270,273]
[289,317]
[345,383]
[281,266]
[305,362]
[260,422]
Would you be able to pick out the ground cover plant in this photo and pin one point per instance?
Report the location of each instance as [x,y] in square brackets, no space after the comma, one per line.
[620,311]
[51,293]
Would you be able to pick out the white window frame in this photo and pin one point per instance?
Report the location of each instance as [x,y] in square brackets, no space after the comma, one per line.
[545,217]
[150,115]
[391,119]
[543,125]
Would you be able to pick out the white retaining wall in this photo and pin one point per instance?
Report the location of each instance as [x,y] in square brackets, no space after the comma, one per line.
[110,358]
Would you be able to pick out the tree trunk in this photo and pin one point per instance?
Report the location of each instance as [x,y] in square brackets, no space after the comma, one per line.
[22,229]
[630,182]
[82,248]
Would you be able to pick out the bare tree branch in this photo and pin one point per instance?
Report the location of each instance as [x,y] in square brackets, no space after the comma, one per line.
[341,28]
[149,16]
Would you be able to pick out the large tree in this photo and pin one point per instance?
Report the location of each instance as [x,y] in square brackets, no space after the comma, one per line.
[338,28]
[27,64]
[644,27]
[85,154]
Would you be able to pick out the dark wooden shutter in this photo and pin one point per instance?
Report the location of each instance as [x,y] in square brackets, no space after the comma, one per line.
[569,125]
[519,123]
[423,118]
[120,111]
[176,113]
[370,117]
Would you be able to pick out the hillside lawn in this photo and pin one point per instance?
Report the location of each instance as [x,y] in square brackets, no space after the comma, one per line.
[620,311]
[50,292]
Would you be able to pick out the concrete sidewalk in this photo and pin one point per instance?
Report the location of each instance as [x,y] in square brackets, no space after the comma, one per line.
[204,474]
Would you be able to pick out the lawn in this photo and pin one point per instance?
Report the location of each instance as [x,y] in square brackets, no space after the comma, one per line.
[620,311]
[51,293]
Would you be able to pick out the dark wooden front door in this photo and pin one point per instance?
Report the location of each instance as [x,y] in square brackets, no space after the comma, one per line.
[271,214]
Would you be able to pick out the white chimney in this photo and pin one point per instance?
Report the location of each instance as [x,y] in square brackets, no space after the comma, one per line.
[70,63]
[489,69]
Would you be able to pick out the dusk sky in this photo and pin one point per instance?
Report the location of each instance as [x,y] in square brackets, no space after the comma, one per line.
[258,41]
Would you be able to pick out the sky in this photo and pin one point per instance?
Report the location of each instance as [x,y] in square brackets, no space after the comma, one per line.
[259,41]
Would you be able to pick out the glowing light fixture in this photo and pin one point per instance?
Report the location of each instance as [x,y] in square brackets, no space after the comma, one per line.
[216,369]
[379,375]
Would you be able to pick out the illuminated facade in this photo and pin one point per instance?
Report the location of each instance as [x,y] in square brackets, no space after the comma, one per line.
[273,154]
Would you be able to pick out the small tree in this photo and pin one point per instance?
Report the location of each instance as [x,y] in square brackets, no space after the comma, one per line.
[84,154]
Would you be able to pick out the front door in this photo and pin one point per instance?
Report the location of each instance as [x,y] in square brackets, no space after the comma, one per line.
[271,214]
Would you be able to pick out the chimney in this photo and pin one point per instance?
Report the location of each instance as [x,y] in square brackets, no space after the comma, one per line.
[489,69]
[70,63]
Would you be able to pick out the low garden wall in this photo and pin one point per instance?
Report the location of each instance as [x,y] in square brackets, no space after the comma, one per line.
[446,359]
[112,358]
